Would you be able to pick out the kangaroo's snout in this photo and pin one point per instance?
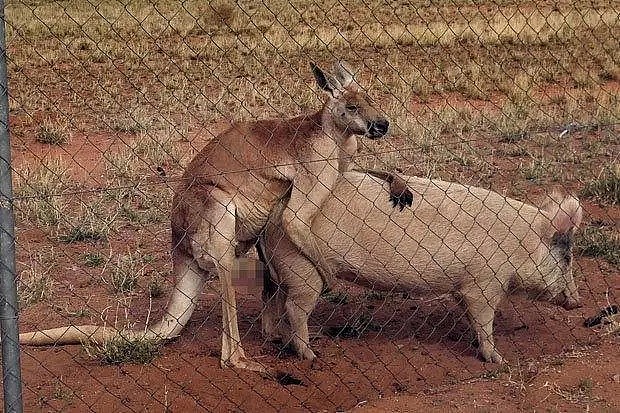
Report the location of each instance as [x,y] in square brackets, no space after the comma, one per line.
[378,128]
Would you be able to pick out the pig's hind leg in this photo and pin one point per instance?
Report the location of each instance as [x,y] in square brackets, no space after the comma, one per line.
[274,320]
[301,299]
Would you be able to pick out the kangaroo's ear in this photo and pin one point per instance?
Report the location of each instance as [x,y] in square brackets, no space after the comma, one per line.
[344,73]
[326,81]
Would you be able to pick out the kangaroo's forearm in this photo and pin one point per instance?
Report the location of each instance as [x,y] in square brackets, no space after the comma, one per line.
[383,175]
[400,195]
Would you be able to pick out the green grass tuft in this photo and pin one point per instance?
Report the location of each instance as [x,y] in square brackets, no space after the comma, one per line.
[538,170]
[79,234]
[35,282]
[496,372]
[93,259]
[38,193]
[585,386]
[599,242]
[606,187]
[33,287]
[122,350]
[92,224]
[156,287]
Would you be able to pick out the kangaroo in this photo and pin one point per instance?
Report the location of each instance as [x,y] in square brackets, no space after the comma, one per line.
[468,241]
[228,191]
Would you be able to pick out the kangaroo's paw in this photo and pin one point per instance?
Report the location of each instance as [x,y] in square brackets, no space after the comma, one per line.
[243,363]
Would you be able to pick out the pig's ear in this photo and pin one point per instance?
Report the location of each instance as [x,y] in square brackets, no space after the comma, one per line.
[565,213]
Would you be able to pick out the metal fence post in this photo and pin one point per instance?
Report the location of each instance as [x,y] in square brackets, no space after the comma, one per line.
[11,372]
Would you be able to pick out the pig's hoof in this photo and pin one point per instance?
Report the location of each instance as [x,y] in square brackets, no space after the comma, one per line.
[308,354]
[493,357]
[306,364]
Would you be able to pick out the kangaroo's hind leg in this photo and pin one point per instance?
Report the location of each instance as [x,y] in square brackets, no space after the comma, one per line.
[213,246]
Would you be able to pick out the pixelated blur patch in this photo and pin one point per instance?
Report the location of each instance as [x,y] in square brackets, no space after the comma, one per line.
[248,276]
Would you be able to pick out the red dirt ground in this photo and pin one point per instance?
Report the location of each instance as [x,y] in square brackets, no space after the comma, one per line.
[416,356]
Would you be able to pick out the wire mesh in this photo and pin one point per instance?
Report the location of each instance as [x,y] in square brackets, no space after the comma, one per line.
[492,106]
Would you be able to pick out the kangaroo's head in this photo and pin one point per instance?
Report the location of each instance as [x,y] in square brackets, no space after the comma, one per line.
[348,108]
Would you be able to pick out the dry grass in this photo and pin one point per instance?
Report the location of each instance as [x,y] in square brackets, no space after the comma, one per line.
[52,133]
[208,61]
[92,223]
[579,393]
[140,204]
[539,169]
[606,187]
[35,280]
[125,274]
[137,119]
[38,190]
[144,155]
[253,23]
[600,242]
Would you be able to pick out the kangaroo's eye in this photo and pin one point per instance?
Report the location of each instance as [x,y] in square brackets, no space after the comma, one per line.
[351,108]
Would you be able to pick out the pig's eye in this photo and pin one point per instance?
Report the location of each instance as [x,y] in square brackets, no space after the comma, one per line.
[351,108]
[564,244]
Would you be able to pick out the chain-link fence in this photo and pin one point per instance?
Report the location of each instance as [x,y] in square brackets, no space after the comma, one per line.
[150,185]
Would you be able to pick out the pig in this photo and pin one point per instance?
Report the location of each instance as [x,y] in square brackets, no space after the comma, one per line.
[463,240]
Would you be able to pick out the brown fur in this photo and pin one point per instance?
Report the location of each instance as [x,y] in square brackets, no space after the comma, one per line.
[468,241]
[227,193]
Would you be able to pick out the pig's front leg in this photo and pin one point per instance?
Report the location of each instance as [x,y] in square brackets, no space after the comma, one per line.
[481,314]
[273,319]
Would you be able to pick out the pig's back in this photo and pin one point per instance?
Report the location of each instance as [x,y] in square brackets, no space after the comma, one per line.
[450,231]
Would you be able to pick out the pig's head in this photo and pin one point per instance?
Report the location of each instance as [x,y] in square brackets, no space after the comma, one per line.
[558,286]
